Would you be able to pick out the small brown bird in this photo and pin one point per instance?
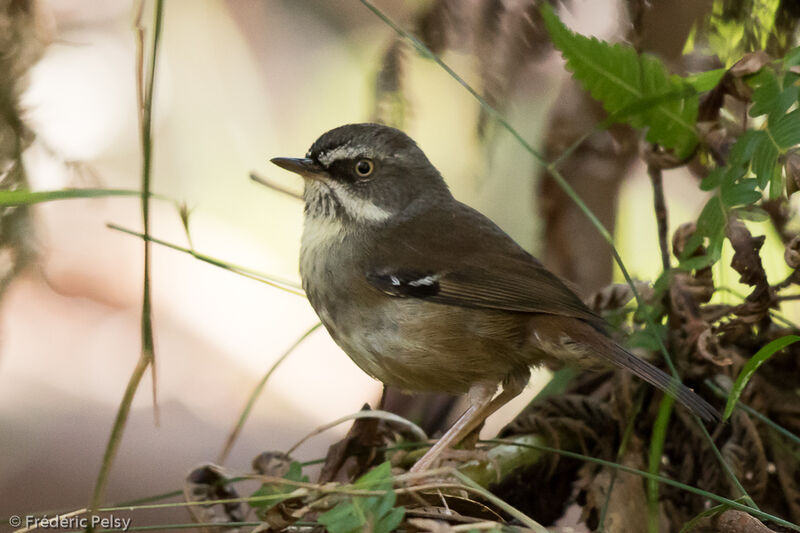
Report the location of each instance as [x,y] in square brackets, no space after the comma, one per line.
[426,294]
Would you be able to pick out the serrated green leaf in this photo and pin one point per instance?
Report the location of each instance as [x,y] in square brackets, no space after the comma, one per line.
[713,180]
[621,79]
[740,193]
[766,92]
[745,146]
[750,368]
[765,158]
[786,99]
[785,130]
[390,520]
[385,503]
[376,513]
[379,478]
[711,221]
[342,519]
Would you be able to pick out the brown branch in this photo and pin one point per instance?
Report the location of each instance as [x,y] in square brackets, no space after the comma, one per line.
[660,207]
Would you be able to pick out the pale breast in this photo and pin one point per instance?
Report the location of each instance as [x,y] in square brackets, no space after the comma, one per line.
[404,342]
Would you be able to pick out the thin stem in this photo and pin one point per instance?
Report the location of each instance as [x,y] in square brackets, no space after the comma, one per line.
[750,411]
[266,182]
[237,429]
[725,466]
[249,273]
[660,207]
[147,357]
[647,475]
[623,446]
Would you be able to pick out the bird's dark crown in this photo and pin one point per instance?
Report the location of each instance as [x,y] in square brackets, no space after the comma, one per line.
[400,173]
[367,139]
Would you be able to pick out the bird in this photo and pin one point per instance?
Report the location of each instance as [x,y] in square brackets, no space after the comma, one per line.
[425,293]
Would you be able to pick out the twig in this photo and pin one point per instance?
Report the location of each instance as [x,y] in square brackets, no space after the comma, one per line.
[147,357]
[660,207]
[234,434]
[385,415]
[249,273]
[266,182]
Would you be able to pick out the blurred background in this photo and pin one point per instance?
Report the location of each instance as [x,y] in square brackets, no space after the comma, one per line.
[240,82]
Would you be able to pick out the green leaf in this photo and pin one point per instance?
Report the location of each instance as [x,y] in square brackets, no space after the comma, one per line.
[792,58]
[766,92]
[745,146]
[765,159]
[390,520]
[379,478]
[752,213]
[787,98]
[711,226]
[776,184]
[713,180]
[374,513]
[697,263]
[344,518]
[280,492]
[786,129]
[622,80]
[752,365]
[711,222]
[705,81]
[740,193]
[644,338]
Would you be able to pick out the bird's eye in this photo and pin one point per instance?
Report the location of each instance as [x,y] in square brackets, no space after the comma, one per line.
[364,167]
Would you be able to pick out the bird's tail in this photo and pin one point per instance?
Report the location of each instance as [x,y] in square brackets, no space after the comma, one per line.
[621,357]
[613,353]
[600,347]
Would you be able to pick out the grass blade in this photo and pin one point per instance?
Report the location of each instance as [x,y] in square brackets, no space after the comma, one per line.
[234,434]
[249,273]
[658,437]
[147,357]
[733,504]
[20,197]
[750,368]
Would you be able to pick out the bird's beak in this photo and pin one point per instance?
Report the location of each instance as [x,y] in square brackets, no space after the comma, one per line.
[307,168]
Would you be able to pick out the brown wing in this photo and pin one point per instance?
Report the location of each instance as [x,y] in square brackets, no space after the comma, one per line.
[467,261]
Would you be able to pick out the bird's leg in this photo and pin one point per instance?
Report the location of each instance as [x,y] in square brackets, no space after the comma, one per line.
[481,405]
[480,397]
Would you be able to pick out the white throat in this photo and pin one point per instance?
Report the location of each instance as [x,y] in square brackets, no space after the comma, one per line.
[320,204]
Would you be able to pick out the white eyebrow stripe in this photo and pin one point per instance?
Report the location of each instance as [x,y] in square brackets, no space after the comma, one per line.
[343,152]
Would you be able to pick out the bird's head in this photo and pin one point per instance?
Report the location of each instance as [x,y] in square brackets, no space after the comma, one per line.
[365,174]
